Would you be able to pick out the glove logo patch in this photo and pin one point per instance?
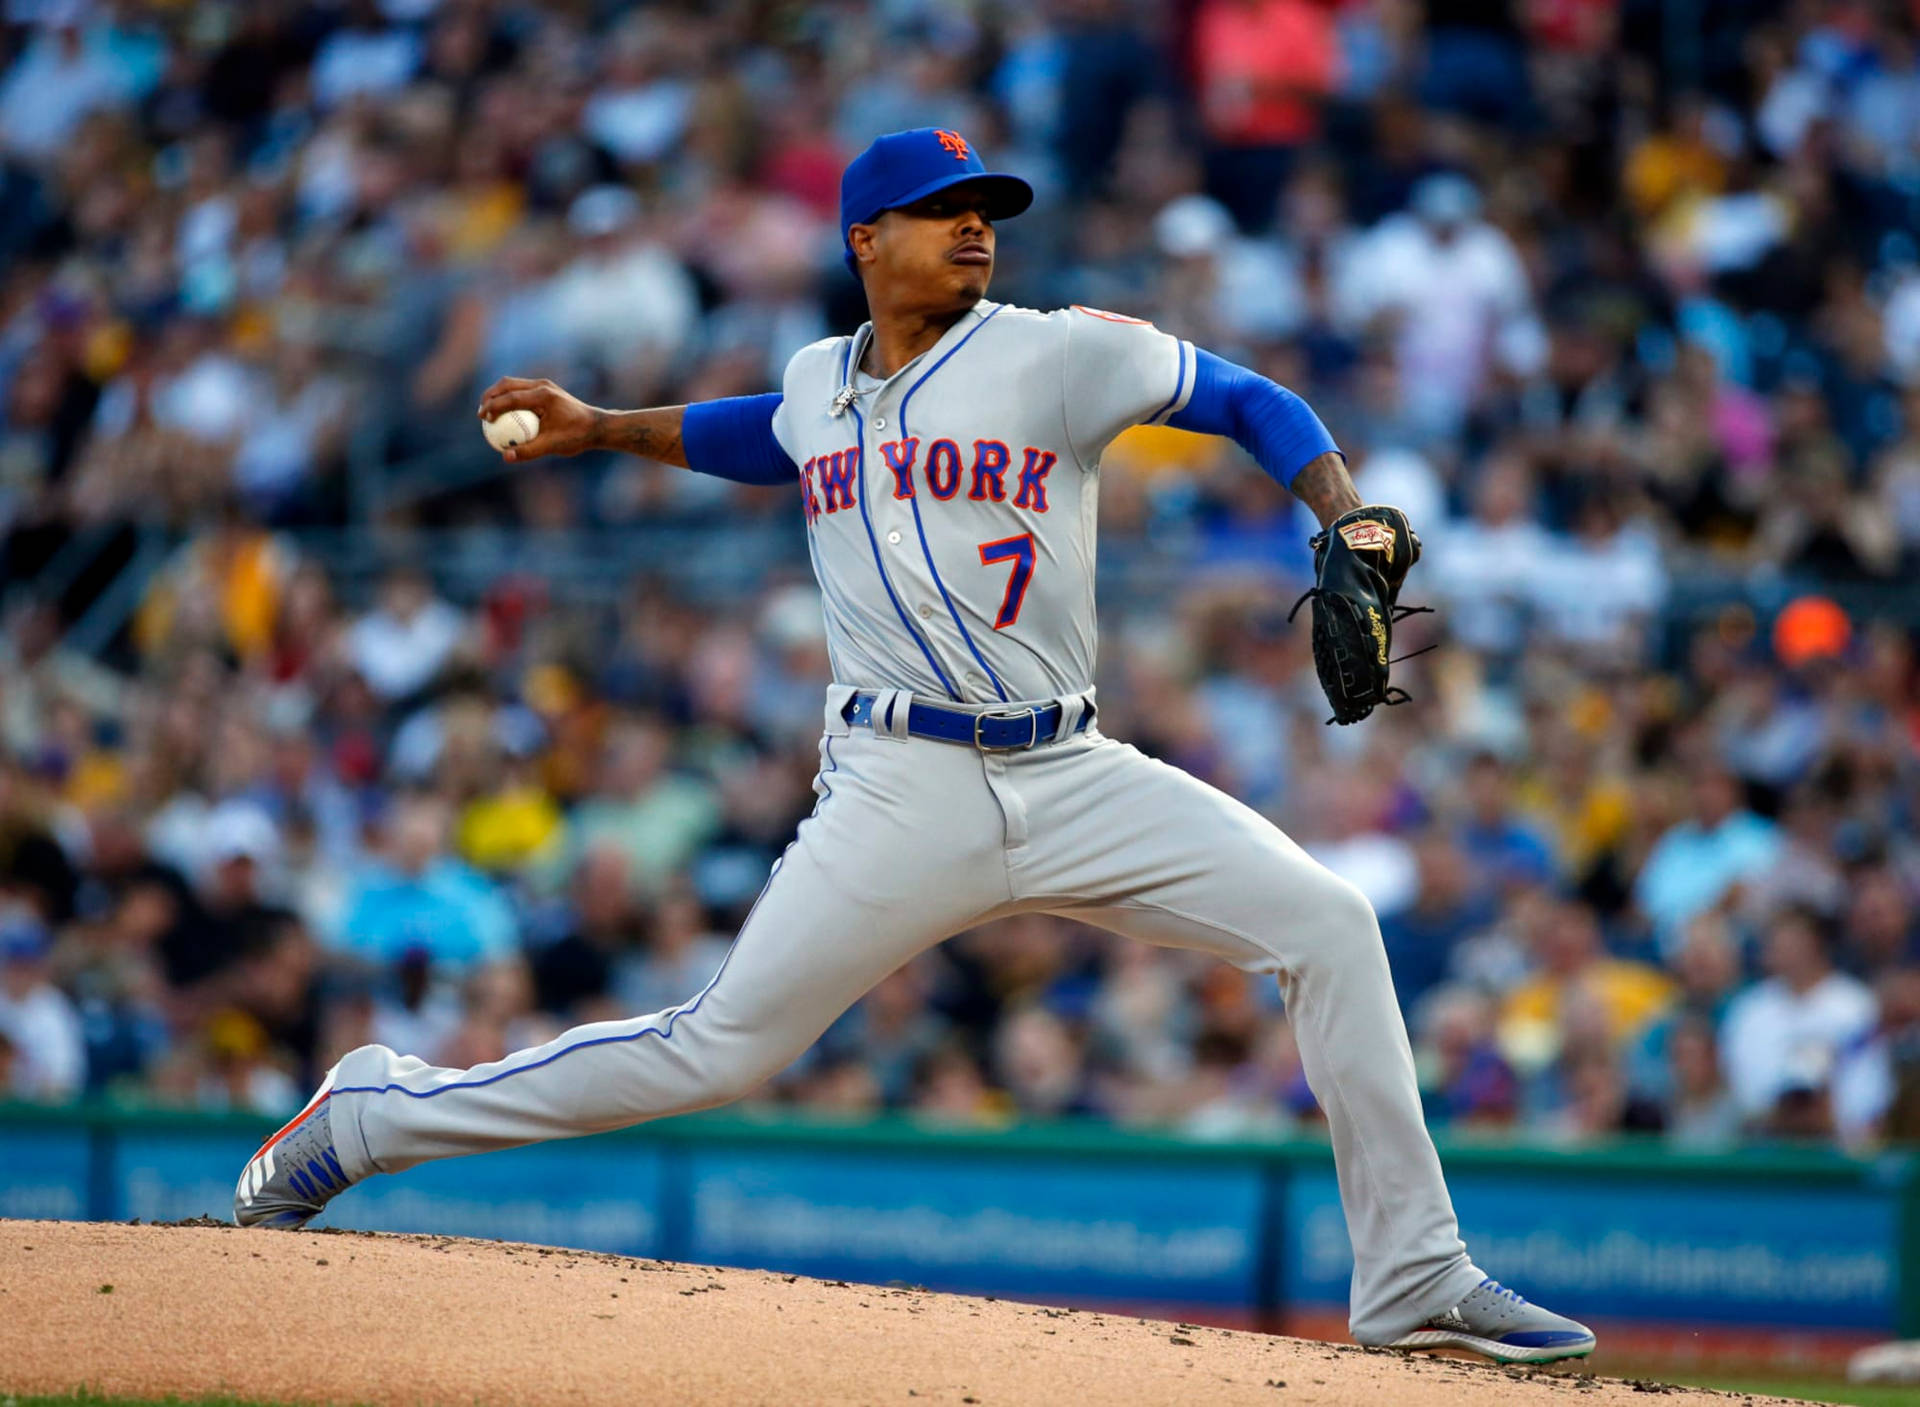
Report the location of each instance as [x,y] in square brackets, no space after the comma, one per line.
[1368,535]
[1379,628]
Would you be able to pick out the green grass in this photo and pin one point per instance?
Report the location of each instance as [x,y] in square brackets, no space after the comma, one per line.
[1815,1390]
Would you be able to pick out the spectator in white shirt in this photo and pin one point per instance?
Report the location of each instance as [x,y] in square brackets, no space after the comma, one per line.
[1801,1019]
[1900,324]
[295,422]
[1242,288]
[1874,1085]
[1484,567]
[364,55]
[1595,591]
[641,109]
[623,296]
[402,644]
[1456,291]
[49,1060]
[1340,826]
[62,74]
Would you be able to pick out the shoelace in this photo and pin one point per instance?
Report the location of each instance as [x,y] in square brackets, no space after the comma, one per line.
[1501,1290]
[1394,694]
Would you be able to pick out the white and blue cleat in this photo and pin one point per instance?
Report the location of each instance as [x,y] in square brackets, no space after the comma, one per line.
[1497,1323]
[295,1173]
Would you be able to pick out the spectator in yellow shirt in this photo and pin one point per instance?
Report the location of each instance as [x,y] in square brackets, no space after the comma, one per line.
[1585,805]
[222,588]
[515,824]
[1570,963]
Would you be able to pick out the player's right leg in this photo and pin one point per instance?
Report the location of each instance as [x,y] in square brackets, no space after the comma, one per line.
[902,850]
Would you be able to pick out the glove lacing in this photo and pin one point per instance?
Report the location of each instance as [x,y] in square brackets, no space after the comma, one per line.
[1393,693]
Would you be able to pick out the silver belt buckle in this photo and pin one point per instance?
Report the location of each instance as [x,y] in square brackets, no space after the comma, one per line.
[1032,715]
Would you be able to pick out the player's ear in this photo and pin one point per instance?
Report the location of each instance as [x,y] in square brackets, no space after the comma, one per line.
[860,239]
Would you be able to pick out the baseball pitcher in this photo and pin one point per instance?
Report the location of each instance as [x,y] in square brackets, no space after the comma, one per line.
[946,461]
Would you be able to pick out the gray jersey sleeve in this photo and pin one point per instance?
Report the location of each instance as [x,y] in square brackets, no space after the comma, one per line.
[780,431]
[793,382]
[1120,371]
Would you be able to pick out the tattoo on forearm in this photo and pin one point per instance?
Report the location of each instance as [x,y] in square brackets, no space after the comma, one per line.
[1326,487]
[651,434]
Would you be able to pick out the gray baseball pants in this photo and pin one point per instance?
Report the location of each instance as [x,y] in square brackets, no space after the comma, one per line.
[915,840]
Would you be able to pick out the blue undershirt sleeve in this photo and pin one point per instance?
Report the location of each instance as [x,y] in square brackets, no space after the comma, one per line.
[1265,419]
[733,439]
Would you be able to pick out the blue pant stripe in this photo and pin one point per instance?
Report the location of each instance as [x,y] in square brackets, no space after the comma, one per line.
[664,1032]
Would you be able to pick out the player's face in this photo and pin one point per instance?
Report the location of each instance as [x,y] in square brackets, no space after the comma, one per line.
[937,252]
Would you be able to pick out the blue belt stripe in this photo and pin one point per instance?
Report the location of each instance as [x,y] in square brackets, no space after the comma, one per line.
[926,550]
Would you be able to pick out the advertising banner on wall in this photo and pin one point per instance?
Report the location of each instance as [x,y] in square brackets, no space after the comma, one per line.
[1678,1251]
[45,1175]
[603,1196]
[1074,1228]
[599,1196]
[1795,1253]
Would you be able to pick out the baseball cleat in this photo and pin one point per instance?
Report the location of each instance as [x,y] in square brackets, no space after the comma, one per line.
[296,1172]
[1496,1322]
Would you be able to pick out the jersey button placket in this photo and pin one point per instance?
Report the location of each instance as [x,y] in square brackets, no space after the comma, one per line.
[901,536]
[894,536]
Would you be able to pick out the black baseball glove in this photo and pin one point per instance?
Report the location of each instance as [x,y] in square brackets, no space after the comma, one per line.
[1359,562]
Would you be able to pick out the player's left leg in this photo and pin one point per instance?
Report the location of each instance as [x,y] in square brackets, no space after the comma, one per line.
[1145,850]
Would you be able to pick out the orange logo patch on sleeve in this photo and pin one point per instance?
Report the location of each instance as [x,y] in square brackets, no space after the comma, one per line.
[1368,536]
[1110,317]
[954,143]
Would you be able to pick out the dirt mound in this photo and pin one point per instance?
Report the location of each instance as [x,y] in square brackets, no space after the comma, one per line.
[349,1317]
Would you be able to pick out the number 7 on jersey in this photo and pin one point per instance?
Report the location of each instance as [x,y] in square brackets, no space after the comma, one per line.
[1019,551]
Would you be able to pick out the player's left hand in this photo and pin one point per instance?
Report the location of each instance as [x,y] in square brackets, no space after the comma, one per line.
[1361,561]
[567,423]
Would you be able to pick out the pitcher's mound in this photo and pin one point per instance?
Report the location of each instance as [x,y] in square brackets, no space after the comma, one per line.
[424,1321]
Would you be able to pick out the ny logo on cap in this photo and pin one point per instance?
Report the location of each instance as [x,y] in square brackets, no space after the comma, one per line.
[954,143]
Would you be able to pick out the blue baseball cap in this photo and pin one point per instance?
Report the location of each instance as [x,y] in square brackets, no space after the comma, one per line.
[23,938]
[902,167]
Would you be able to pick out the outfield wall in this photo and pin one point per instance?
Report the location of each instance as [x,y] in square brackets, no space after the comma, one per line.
[1786,1255]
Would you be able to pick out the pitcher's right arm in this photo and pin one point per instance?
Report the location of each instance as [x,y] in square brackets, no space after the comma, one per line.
[730,438]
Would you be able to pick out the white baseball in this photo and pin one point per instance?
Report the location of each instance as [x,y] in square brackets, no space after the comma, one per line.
[514,427]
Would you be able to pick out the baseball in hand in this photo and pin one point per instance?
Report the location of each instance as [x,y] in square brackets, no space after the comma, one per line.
[510,428]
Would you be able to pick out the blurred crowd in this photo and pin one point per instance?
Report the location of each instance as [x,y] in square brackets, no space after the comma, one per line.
[1610,296]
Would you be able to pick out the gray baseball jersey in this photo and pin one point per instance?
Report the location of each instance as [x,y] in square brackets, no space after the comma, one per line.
[950,513]
[951,508]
